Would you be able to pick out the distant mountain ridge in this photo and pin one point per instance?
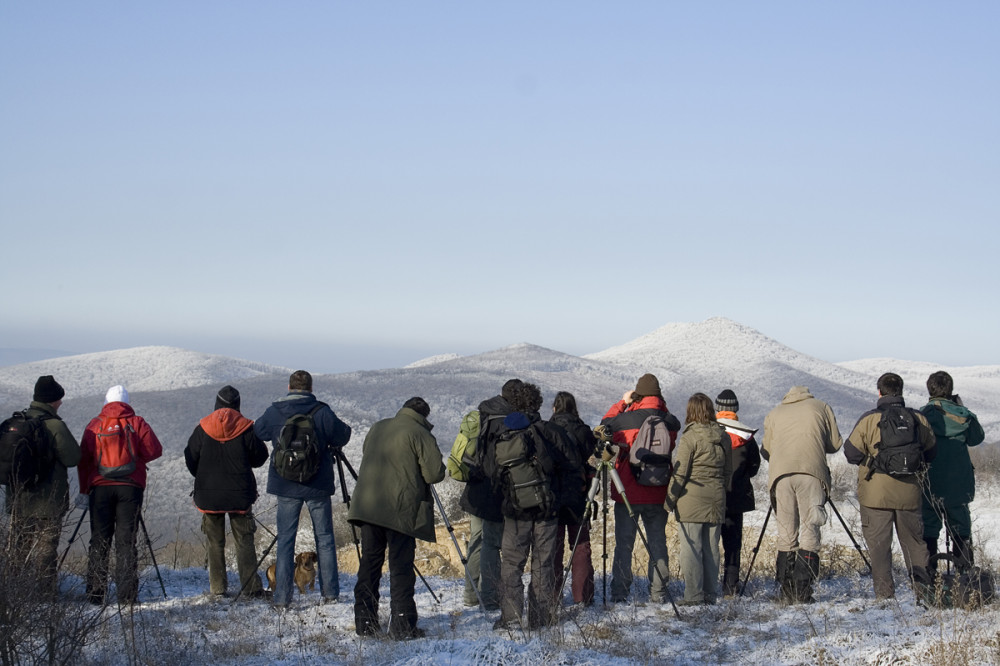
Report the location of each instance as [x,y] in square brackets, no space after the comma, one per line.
[174,388]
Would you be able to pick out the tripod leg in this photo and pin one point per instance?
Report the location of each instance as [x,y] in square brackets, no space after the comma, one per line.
[595,485]
[152,556]
[857,546]
[458,548]
[72,538]
[756,549]
[256,568]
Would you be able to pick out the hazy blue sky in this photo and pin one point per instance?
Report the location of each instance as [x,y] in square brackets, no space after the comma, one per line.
[341,185]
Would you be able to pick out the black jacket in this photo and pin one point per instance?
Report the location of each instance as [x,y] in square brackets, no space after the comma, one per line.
[221,454]
[583,442]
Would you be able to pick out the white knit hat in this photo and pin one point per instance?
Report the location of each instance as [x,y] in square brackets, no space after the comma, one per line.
[116,393]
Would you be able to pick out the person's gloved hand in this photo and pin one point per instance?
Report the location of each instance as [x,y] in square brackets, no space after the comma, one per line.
[609,453]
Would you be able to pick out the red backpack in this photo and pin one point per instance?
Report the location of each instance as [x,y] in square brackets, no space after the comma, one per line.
[115,449]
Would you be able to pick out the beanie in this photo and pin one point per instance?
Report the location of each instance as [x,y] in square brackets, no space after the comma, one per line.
[47,390]
[727,402]
[116,393]
[648,385]
[227,397]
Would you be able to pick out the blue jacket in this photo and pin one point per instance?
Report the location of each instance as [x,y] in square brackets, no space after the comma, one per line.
[332,431]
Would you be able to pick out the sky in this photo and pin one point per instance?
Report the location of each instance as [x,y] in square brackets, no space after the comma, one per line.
[342,185]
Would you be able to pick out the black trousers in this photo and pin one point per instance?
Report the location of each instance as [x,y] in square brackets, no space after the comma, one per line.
[114,513]
[402,579]
[732,540]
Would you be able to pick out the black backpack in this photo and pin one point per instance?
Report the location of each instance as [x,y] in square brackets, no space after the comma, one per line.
[523,477]
[298,451]
[26,454]
[899,451]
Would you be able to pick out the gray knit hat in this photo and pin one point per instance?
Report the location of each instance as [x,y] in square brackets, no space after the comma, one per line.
[727,402]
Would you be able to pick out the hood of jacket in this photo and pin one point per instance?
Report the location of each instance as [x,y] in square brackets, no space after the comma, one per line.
[796,394]
[117,410]
[225,424]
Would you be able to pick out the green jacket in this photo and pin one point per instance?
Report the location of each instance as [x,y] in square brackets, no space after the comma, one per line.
[951,475]
[400,460]
[50,498]
[704,460]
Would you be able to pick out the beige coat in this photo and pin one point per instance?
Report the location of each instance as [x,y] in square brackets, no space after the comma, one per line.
[798,435]
[703,463]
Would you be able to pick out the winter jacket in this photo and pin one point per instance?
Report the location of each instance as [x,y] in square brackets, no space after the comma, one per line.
[330,430]
[221,454]
[702,467]
[400,461]
[581,436]
[50,497]
[481,497]
[147,448]
[951,475]
[746,463]
[884,491]
[798,435]
[625,421]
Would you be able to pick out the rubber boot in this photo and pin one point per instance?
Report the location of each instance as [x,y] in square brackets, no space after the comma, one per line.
[783,568]
[805,572]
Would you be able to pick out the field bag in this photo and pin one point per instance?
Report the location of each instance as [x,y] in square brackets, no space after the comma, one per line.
[650,453]
[899,451]
[969,589]
[115,449]
[297,453]
[524,481]
[26,455]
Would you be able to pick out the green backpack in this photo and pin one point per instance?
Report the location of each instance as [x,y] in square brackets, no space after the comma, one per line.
[463,461]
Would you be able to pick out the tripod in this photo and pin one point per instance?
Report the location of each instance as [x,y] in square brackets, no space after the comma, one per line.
[600,482]
[72,538]
[461,556]
[152,556]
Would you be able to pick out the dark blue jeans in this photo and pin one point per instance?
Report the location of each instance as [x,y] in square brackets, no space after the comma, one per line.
[321,514]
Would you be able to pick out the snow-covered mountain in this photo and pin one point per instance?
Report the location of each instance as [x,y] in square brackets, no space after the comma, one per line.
[173,388]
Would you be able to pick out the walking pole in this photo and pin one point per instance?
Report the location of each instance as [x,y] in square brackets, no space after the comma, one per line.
[72,538]
[853,540]
[458,549]
[341,463]
[256,568]
[152,556]
[756,549]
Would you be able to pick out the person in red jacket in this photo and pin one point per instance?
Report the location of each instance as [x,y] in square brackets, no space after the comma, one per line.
[624,419]
[116,447]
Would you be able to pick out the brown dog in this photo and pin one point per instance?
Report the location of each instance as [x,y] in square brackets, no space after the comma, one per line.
[305,572]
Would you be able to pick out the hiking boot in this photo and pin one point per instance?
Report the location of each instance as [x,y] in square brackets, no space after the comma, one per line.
[266,595]
[405,633]
[731,581]
[367,627]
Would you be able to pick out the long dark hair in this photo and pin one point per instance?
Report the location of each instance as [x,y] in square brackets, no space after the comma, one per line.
[564,402]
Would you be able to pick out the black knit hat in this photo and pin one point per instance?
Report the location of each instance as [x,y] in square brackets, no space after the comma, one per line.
[648,385]
[727,402]
[227,397]
[47,390]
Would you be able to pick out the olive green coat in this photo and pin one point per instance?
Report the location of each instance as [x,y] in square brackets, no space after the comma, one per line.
[399,462]
[50,498]
[703,463]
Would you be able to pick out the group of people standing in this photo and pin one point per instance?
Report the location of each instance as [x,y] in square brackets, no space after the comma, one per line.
[529,486]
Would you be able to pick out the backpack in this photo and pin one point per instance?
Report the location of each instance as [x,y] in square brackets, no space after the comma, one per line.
[298,451]
[464,462]
[650,453]
[969,589]
[523,478]
[26,455]
[899,451]
[115,450]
